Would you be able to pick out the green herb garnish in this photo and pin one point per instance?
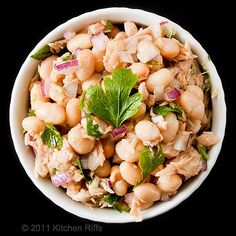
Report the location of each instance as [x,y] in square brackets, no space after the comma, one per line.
[51,137]
[148,161]
[87,179]
[31,112]
[42,53]
[165,110]
[207,81]
[116,202]
[92,129]
[202,151]
[115,103]
[108,26]
[66,56]
[153,62]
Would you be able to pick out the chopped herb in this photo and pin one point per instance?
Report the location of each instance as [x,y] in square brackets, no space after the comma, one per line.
[207,81]
[165,110]
[115,103]
[192,69]
[87,179]
[82,99]
[51,137]
[169,33]
[202,151]
[31,112]
[153,62]
[66,56]
[92,129]
[108,26]
[54,170]
[148,161]
[116,202]
[42,53]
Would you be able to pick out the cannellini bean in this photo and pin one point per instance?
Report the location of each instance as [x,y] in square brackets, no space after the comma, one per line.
[160,78]
[130,172]
[192,105]
[79,141]
[127,152]
[115,174]
[51,113]
[169,183]
[73,113]
[195,90]
[57,94]
[33,125]
[98,59]
[104,170]
[141,111]
[146,205]
[148,132]
[36,95]
[147,192]
[108,147]
[130,28]
[86,64]
[46,66]
[120,187]
[141,70]
[147,51]
[172,128]
[96,78]
[79,41]
[169,48]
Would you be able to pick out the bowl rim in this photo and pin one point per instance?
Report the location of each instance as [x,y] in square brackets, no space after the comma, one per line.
[98,215]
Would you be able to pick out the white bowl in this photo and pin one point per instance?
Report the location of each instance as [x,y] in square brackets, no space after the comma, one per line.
[19,107]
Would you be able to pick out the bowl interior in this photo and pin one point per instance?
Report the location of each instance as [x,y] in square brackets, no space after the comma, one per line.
[19,107]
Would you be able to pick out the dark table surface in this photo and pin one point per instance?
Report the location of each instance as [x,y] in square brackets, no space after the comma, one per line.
[208,208]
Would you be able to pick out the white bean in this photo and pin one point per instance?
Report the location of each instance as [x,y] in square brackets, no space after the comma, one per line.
[169,183]
[192,105]
[73,113]
[51,113]
[147,192]
[169,48]
[36,95]
[86,64]
[120,187]
[108,147]
[172,128]
[141,70]
[33,125]
[98,59]
[78,140]
[160,78]
[46,67]
[82,41]
[195,90]
[130,172]
[147,132]
[104,170]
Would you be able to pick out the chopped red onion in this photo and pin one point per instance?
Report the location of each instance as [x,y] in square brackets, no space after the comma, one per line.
[67,67]
[117,131]
[60,179]
[204,166]
[71,88]
[172,95]
[165,197]
[45,88]
[164,22]
[69,35]
[99,41]
[129,197]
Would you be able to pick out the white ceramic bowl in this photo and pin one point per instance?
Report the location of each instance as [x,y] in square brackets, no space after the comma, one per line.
[19,107]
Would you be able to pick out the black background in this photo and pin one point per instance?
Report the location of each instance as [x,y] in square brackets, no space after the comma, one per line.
[209,208]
